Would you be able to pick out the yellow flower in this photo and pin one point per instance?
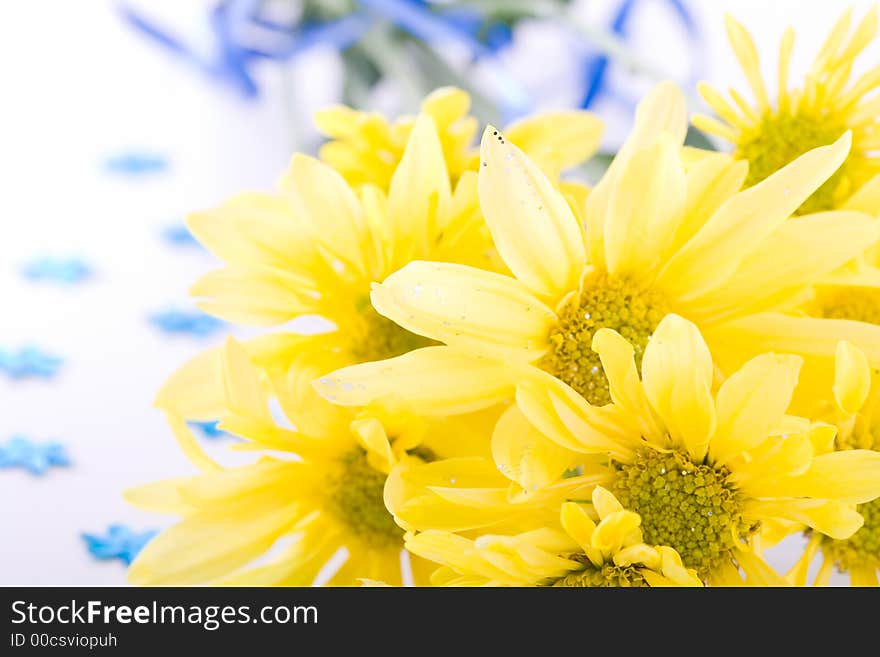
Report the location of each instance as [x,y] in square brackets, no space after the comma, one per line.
[658,238]
[828,105]
[365,148]
[579,553]
[705,469]
[313,248]
[856,413]
[323,492]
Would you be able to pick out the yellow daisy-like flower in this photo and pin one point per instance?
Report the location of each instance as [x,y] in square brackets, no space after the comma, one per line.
[828,104]
[856,414]
[580,553]
[326,495]
[365,148]
[658,237]
[313,249]
[705,469]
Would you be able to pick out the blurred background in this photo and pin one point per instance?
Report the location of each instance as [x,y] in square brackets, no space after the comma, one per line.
[120,118]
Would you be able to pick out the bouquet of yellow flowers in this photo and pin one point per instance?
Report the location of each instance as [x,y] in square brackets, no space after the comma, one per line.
[522,380]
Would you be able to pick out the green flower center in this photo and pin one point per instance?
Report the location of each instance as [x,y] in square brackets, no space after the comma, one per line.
[606,576]
[861,304]
[603,302]
[356,498]
[781,138]
[381,338]
[691,507]
[862,549]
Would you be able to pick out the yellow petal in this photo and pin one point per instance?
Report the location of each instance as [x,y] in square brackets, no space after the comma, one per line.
[195,391]
[618,362]
[189,445]
[159,496]
[372,437]
[432,381]
[751,402]
[867,198]
[645,207]
[638,554]
[677,375]
[605,503]
[710,182]
[577,524]
[322,197]
[566,418]
[852,377]
[613,532]
[534,229]
[779,263]
[830,517]
[662,110]
[747,55]
[419,192]
[757,571]
[446,104]
[808,336]
[258,296]
[851,476]
[745,220]
[525,455]
[483,312]
[557,140]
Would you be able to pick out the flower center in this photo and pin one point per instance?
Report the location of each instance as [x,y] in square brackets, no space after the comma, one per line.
[606,576]
[603,302]
[356,498]
[690,507]
[858,303]
[781,138]
[381,338]
[862,549]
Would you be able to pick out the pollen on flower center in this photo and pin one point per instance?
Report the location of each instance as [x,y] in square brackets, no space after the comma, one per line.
[779,139]
[603,302]
[857,303]
[356,498]
[690,507]
[862,549]
[381,338]
[608,575]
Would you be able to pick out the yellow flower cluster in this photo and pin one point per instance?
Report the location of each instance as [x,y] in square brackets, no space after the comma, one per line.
[522,381]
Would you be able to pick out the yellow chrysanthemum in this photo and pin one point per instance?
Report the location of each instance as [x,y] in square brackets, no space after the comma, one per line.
[705,469]
[828,105]
[326,495]
[313,248]
[658,238]
[856,413]
[580,553]
[365,148]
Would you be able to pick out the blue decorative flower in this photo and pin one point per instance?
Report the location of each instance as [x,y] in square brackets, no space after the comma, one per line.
[209,429]
[29,362]
[179,235]
[36,458]
[58,270]
[119,542]
[136,163]
[192,322]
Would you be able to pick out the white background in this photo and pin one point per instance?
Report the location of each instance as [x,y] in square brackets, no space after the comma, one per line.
[79,86]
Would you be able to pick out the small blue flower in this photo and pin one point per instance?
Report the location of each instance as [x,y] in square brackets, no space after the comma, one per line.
[119,542]
[36,458]
[58,270]
[179,235]
[29,361]
[192,322]
[135,163]
[209,429]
